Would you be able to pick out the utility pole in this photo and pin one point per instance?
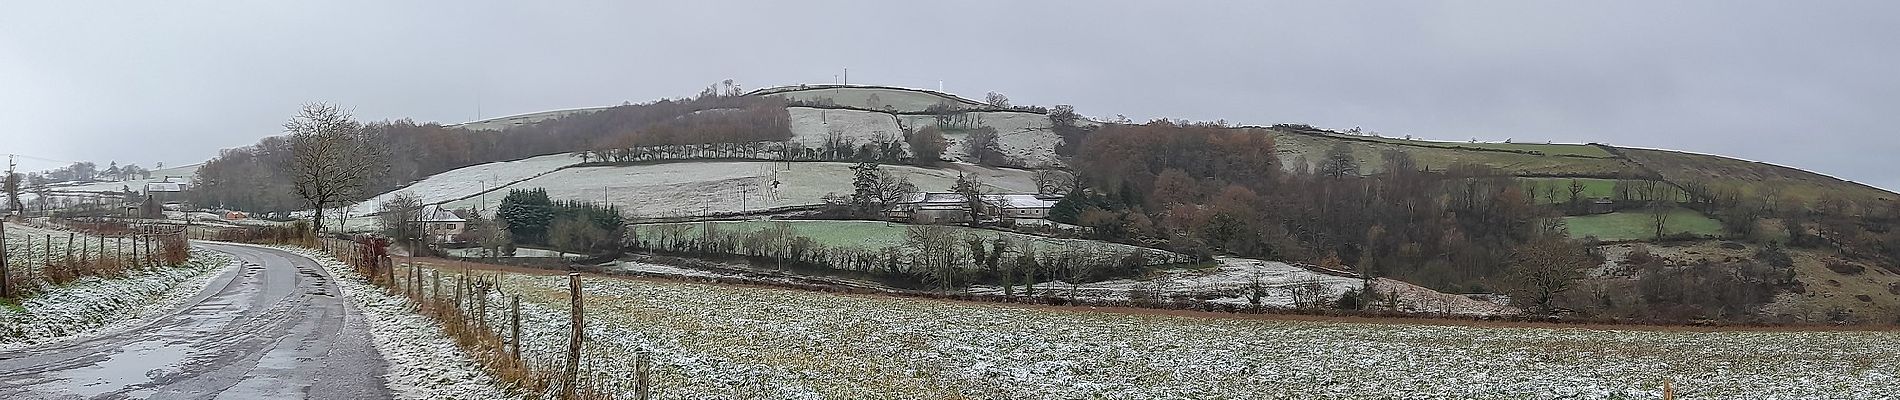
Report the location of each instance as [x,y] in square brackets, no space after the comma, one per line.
[13,190]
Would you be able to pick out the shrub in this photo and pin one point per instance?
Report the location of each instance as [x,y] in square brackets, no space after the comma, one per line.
[1845,268]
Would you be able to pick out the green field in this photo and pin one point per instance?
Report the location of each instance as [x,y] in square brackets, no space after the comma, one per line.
[1592,188]
[874,235]
[1639,225]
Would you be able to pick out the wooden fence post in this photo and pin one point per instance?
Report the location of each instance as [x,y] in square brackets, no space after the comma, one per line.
[514,325]
[435,289]
[572,375]
[6,274]
[642,387]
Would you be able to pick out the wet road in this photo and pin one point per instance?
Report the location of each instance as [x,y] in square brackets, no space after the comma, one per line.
[274,328]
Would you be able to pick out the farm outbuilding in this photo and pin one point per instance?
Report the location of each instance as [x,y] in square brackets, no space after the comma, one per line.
[943,207]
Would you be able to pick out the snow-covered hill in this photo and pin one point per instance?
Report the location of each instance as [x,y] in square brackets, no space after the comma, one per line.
[501,123]
[713,187]
[872,97]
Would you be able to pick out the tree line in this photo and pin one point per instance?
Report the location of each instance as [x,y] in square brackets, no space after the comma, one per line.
[259,177]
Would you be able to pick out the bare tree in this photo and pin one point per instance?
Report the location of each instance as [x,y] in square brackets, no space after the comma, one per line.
[997,100]
[1052,181]
[982,145]
[332,159]
[1544,268]
[1659,217]
[398,217]
[934,252]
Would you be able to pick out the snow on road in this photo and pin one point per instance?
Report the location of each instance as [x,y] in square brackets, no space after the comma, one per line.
[424,363]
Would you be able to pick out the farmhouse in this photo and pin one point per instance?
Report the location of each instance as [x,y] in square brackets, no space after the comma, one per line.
[169,190]
[441,225]
[943,207]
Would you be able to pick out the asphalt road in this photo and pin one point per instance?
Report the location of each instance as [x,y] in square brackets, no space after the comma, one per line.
[275,328]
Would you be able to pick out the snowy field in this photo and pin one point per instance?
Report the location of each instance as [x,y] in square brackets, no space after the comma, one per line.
[1025,136]
[186,172]
[519,252]
[812,126]
[469,181]
[93,305]
[1231,281]
[502,123]
[726,342]
[889,99]
[700,187]
[1028,137]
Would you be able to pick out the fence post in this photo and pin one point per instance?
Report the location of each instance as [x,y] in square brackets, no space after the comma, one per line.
[6,274]
[572,375]
[435,289]
[514,325]
[69,251]
[642,389]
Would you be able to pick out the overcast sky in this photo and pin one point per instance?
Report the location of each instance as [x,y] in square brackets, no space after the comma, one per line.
[1809,84]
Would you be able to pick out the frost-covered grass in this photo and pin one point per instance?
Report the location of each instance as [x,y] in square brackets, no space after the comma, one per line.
[502,123]
[698,187]
[1229,281]
[877,235]
[94,305]
[1028,137]
[424,363]
[812,126]
[723,342]
[471,180]
[893,99]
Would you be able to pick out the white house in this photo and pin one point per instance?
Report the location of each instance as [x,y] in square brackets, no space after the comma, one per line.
[441,225]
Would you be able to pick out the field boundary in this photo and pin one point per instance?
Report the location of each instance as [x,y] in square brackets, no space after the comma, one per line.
[1212,311]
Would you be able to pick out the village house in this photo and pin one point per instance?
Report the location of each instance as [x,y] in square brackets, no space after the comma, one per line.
[944,207]
[442,225]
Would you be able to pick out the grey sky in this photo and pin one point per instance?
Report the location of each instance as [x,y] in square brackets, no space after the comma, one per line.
[1809,84]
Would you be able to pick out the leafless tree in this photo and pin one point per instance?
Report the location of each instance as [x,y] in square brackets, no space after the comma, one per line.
[332,160]
[1659,217]
[997,100]
[1053,181]
[1544,268]
[933,251]
[398,216]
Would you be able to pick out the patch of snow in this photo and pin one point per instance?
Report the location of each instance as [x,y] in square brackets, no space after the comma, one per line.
[702,187]
[502,123]
[94,306]
[717,341]
[469,181]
